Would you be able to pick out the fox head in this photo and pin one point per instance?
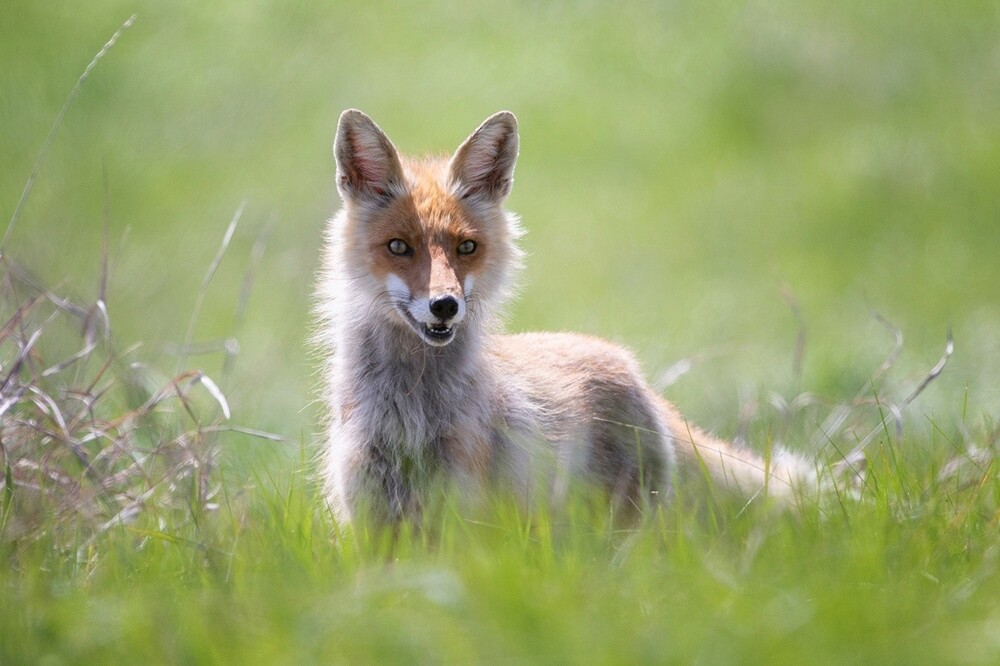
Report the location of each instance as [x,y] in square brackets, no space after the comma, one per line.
[424,242]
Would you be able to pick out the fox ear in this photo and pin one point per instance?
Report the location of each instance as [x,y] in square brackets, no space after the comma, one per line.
[483,167]
[368,169]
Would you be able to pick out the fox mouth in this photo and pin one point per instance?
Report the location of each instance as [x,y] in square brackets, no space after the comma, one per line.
[437,334]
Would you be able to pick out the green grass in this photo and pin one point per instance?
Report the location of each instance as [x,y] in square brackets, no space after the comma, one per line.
[910,576]
[687,171]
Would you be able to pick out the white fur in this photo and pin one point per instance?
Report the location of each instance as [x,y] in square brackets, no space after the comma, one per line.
[396,287]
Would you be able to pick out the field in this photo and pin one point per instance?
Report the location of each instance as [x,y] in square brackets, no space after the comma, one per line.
[787,210]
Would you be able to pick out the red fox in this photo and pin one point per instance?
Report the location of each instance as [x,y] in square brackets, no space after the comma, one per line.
[426,394]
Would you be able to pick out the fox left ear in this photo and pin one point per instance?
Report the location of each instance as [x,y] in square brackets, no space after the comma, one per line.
[368,168]
[483,166]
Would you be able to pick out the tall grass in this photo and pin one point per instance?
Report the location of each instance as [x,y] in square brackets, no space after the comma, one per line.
[91,438]
[908,574]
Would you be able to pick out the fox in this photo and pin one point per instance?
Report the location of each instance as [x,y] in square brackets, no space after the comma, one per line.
[426,394]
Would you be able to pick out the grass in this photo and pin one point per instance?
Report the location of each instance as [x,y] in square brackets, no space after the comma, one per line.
[730,190]
[909,575]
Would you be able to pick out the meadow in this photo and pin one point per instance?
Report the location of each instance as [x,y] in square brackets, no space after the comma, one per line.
[790,212]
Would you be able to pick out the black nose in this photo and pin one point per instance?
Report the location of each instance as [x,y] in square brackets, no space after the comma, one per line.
[444,307]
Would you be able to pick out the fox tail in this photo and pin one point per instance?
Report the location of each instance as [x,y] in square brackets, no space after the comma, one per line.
[790,478]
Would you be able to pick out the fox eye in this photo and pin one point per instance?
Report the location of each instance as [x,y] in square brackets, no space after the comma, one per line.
[467,247]
[399,248]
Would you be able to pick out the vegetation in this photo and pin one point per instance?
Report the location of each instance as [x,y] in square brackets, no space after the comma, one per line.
[782,207]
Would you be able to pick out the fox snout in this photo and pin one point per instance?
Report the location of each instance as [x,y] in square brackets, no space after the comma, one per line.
[432,317]
[447,312]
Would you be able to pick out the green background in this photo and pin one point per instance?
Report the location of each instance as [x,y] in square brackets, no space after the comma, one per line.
[682,164]
[687,170]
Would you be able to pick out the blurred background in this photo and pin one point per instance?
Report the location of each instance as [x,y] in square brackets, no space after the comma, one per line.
[700,181]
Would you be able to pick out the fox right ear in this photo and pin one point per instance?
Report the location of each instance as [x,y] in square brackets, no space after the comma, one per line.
[483,167]
[368,168]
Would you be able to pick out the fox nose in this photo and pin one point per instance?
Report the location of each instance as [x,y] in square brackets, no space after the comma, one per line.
[444,307]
